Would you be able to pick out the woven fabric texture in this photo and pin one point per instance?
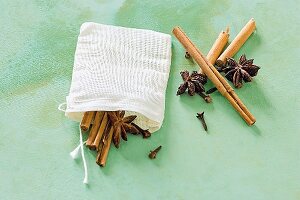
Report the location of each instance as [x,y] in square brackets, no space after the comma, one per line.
[118,68]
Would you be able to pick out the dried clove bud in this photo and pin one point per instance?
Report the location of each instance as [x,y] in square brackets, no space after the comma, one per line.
[153,153]
[211,90]
[206,97]
[187,55]
[146,133]
[200,116]
[219,65]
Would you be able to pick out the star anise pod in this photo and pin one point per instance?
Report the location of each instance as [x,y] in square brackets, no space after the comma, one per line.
[236,72]
[193,83]
[122,125]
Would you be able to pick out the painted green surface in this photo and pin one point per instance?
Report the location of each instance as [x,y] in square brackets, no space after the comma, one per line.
[232,161]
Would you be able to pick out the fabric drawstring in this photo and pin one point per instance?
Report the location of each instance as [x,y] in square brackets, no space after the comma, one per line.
[75,154]
[60,107]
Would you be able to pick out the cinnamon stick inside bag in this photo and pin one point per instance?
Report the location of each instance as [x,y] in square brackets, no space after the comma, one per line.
[104,137]
[221,84]
[237,43]
[95,127]
[100,132]
[102,156]
[87,120]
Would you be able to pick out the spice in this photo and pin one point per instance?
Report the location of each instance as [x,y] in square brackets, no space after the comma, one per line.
[102,154]
[104,123]
[200,116]
[93,132]
[193,83]
[87,120]
[206,97]
[217,47]
[187,55]
[145,133]
[211,90]
[109,126]
[221,84]
[236,72]
[121,125]
[103,139]
[153,153]
[237,43]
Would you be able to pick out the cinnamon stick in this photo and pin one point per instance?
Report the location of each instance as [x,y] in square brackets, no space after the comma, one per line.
[217,47]
[221,84]
[93,132]
[104,137]
[86,120]
[238,42]
[100,132]
[102,155]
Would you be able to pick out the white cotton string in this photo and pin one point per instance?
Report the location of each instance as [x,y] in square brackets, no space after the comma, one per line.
[85,180]
[60,107]
[75,154]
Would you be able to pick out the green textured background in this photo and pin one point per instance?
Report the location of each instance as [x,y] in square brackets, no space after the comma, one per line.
[232,161]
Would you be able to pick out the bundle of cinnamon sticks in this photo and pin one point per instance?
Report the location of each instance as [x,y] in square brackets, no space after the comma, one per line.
[100,135]
[206,63]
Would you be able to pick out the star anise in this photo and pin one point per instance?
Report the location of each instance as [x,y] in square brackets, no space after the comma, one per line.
[193,83]
[236,72]
[122,125]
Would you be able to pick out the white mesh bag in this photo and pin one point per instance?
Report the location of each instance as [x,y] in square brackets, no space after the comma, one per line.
[117,68]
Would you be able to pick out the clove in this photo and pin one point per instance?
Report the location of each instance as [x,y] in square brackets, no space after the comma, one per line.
[200,116]
[219,66]
[146,133]
[153,153]
[211,90]
[187,55]
[206,97]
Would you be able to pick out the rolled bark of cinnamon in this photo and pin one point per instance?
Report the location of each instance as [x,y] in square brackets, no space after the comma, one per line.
[104,137]
[217,47]
[237,43]
[102,156]
[93,132]
[221,84]
[100,132]
[87,120]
